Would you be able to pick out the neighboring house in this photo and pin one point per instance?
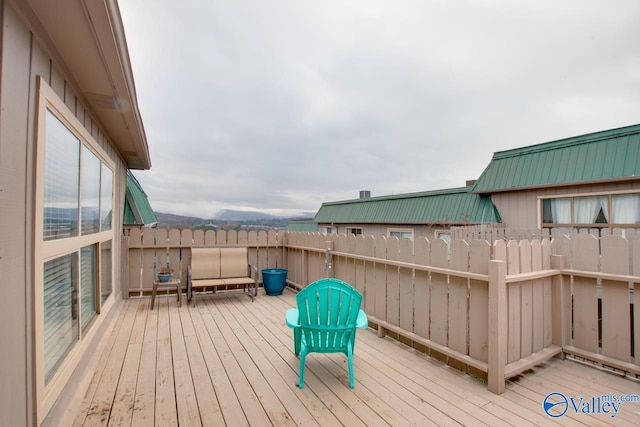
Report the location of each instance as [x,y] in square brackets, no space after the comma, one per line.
[70,129]
[588,181]
[428,214]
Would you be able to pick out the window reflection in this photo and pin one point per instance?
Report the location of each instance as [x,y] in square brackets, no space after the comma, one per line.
[61,179]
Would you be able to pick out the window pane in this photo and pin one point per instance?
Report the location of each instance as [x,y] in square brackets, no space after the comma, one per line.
[401,234]
[105,271]
[625,209]
[106,198]
[61,178]
[60,311]
[556,211]
[90,196]
[591,210]
[88,284]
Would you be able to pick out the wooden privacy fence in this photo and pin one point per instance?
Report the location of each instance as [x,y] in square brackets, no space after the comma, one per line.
[151,248]
[495,309]
[492,310]
[600,316]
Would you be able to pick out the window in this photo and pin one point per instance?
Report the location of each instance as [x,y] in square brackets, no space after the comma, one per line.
[328,230]
[400,233]
[74,235]
[354,230]
[444,235]
[597,211]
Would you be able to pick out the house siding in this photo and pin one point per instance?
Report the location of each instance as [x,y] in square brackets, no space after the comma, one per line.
[427,231]
[26,54]
[519,209]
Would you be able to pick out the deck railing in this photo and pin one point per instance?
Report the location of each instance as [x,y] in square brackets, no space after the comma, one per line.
[494,310]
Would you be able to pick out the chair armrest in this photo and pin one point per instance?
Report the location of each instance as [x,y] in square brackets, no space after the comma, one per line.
[291,318]
[362,321]
[253,268]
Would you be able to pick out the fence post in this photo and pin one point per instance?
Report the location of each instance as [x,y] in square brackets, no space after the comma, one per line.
[124,267]
[560,309]
[498,327]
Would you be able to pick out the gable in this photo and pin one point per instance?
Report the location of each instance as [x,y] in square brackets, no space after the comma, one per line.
[137,210]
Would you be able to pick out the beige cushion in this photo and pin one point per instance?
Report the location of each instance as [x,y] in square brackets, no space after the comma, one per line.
[205,263]
[238,281]
[233,262]
[207,283]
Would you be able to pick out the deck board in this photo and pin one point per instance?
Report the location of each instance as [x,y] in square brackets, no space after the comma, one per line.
[230,361]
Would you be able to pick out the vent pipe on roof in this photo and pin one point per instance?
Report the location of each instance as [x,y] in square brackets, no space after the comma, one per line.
[470,182]
[365,194]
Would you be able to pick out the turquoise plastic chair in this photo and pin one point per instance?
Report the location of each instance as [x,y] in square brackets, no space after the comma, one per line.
[325,321]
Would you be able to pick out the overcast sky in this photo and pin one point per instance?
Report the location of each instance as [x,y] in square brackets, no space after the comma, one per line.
[278,106]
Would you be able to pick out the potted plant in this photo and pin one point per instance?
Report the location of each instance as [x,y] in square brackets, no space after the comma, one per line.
[164,274]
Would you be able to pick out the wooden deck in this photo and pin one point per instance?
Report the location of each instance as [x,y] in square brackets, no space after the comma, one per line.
[229,361]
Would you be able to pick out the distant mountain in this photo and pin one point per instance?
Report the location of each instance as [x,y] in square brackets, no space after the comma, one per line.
[172,219]
[223,217]
[231,215]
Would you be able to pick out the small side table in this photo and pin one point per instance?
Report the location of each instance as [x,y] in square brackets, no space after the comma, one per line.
[171,282]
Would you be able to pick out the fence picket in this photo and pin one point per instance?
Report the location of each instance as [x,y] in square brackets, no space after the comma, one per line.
[380,279]
[586,256]
[479,256]
[616,322]
[439,292]
[526,300]
[458,297]
[513,303]
[422,303]
[406,286]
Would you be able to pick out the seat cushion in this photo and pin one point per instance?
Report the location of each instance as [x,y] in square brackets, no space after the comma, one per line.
[207,283]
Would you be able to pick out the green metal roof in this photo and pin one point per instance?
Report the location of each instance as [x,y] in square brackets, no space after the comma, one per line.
[451,206]
[137,210]
[607,155]
[304,225]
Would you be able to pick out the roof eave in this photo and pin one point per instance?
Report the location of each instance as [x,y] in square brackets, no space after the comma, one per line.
[489,191]
[88,43]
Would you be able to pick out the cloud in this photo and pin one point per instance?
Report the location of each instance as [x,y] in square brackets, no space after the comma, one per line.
[282,106]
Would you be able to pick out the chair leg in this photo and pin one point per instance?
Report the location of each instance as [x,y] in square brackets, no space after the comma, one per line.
[297,336]
[350,362]
[303,356]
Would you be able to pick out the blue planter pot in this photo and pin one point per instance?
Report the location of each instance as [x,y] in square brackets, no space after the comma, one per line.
[274,280]
[164,277]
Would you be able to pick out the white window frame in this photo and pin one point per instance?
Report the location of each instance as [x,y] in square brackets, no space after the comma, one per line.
[51,249]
